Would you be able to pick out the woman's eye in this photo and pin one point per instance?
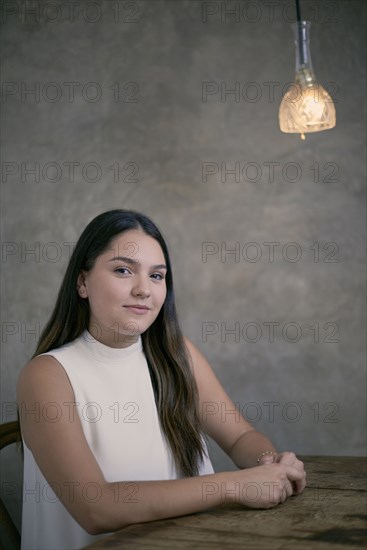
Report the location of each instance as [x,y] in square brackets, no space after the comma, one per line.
[158,276]
[122,270]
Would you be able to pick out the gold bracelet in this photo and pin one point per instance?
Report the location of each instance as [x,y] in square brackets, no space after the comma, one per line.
[265,453]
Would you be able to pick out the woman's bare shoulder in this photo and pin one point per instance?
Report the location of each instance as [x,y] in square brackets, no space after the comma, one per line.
[40,374]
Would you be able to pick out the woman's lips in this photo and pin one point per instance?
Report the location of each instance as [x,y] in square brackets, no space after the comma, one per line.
[139,310]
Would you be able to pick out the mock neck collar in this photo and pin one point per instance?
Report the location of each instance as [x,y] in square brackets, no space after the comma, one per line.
[106,354]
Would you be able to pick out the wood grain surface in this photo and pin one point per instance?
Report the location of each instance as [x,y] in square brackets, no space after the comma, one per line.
[329,515]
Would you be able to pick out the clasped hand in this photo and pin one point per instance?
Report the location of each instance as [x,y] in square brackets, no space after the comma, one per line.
[275,479]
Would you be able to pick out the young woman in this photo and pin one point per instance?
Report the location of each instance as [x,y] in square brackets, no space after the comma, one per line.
[115,403]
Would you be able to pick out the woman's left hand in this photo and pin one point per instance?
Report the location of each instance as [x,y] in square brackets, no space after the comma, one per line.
[290,459]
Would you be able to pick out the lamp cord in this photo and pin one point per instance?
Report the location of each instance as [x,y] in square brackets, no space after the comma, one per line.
[300,40]
[298,9]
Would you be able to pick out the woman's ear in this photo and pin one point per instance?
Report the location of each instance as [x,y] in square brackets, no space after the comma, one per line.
[81,286]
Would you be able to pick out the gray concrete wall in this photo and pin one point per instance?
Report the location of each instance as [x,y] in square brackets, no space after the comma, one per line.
[122,91]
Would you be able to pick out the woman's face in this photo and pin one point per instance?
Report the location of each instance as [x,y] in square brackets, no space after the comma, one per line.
[126,288]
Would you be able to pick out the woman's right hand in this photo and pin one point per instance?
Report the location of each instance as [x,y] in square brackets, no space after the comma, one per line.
[264,486]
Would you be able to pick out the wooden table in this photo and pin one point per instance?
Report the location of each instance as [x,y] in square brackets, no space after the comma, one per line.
[329,515]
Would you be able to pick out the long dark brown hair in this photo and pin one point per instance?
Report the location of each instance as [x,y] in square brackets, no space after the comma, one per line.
[173,382]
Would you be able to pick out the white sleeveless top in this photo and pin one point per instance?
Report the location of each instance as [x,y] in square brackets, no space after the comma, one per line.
[115,402]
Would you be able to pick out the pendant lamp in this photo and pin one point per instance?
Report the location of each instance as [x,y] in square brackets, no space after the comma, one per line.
[306,106]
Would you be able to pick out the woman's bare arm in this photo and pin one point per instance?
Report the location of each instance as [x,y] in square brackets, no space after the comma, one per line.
[222,421]
[65,459]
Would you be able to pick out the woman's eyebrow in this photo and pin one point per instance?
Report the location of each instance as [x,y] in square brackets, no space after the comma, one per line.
[123,259]
[134,262]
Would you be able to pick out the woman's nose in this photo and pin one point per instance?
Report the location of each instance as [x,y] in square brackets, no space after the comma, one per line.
[141,287]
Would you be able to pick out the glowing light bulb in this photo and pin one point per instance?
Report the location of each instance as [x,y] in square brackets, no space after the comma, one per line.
[306,106]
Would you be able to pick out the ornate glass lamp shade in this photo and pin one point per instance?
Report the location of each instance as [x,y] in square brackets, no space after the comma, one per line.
[306,106]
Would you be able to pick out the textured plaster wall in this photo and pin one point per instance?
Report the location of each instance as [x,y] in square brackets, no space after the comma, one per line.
[136,96]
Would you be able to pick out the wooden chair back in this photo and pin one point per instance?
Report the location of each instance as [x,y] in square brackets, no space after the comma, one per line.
[9,433]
